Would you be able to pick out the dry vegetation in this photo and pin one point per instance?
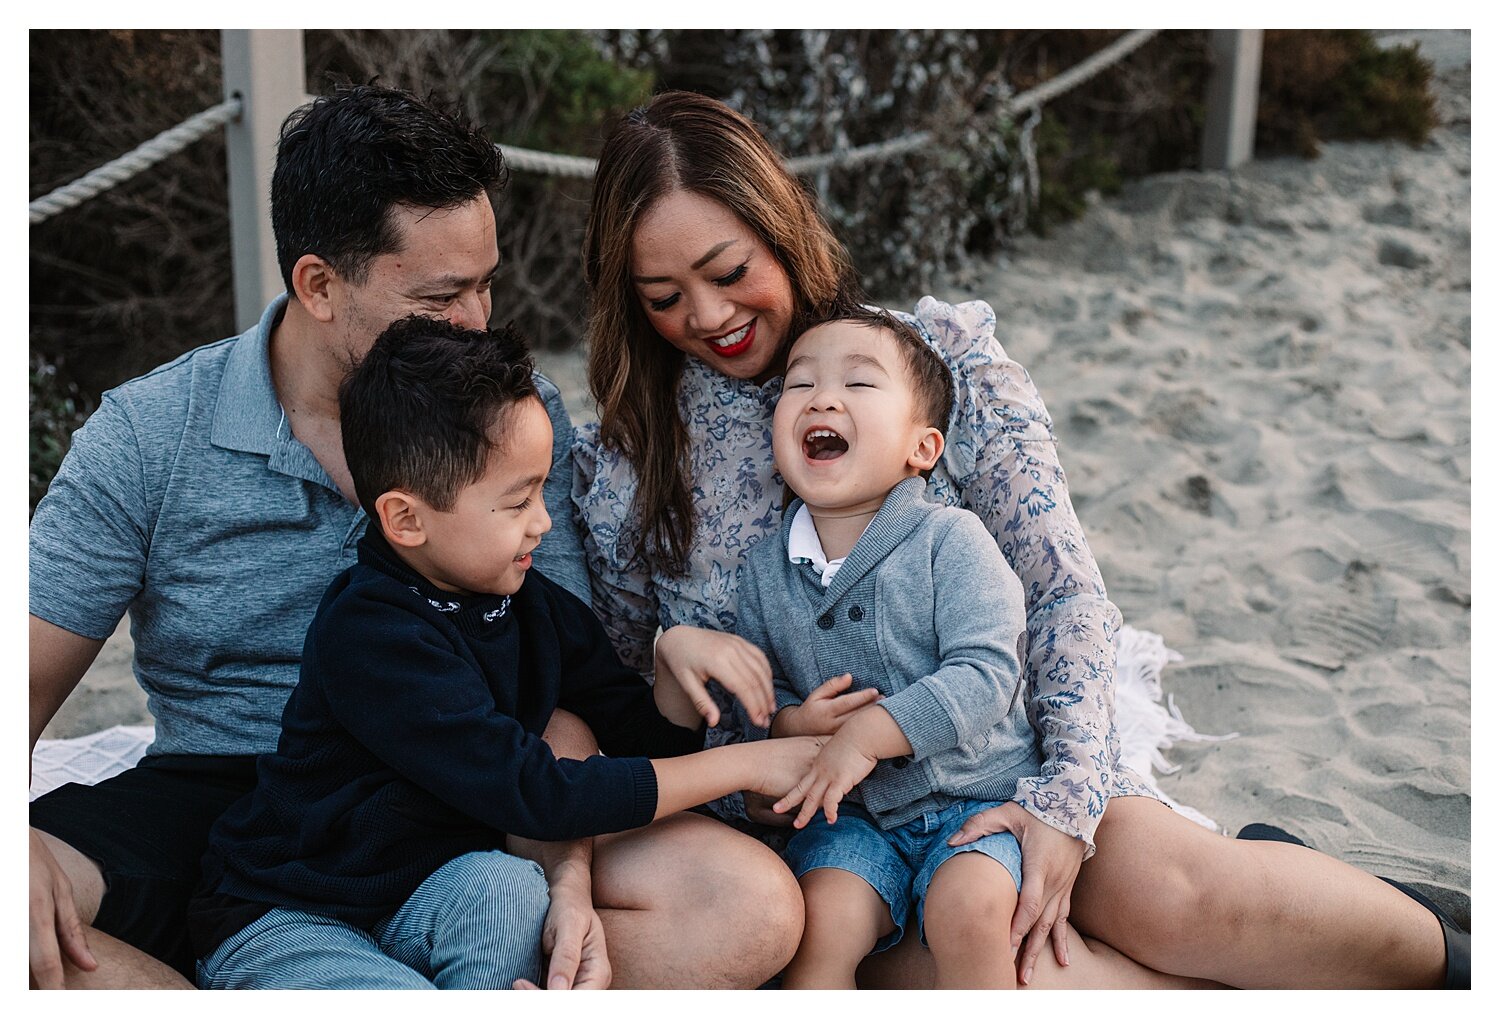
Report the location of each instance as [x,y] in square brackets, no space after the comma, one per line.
[141,273]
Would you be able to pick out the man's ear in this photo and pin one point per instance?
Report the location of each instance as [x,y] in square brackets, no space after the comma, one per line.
[400,516]
[313,282]
[929,447]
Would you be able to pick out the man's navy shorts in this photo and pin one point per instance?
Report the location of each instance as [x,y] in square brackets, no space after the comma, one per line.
[147,829]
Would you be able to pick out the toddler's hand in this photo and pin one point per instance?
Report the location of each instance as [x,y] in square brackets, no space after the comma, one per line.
[826,709]
[783,762]
[690,657]
[838,768]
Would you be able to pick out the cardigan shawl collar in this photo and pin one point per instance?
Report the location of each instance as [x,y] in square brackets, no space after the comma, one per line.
[897,517]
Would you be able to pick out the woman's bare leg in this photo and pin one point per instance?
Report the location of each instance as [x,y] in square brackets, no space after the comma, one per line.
[1094,966]
[1179,898]
[690,902]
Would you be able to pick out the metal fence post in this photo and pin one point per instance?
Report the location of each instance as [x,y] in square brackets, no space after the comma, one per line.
[265,69]
[1229,127]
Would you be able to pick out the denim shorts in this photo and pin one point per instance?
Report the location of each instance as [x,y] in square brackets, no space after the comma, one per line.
[898,863]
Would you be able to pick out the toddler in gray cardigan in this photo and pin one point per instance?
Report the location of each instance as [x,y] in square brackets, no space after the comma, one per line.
[912,608]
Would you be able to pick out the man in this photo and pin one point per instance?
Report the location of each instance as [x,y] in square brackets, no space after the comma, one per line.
[210,498]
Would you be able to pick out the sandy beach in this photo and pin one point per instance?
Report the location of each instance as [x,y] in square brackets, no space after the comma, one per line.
[1260,381]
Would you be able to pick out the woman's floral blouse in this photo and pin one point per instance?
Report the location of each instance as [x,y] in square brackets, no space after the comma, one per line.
[1000,462]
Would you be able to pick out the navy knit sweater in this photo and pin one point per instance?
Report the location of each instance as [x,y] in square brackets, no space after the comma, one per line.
[414,736]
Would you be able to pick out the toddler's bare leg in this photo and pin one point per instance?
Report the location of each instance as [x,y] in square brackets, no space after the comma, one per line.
[970,903]
[845,917]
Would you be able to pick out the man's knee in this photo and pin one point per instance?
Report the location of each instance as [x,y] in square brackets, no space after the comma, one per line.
[84,876]
[569,736]
[752,898]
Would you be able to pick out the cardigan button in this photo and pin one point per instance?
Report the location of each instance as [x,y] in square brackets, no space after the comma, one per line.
[899,763]
[856,613]
[825,621]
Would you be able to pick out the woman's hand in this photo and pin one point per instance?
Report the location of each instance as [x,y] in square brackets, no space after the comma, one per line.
[688,657]
[825,710]
[1049,865]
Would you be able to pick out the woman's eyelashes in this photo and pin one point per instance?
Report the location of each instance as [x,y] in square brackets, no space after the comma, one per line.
[730,278]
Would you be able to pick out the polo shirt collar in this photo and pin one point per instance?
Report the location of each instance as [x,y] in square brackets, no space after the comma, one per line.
[248,415]
[249,418]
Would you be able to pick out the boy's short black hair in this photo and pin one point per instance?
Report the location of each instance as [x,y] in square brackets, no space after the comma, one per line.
[344,159]
[416,413]
[932,382]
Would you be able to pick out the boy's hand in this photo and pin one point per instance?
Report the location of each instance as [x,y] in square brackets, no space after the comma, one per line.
[825,710]
[782,762]
[840,766]
[688,657]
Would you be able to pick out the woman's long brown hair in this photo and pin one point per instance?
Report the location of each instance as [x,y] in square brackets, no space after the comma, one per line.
[681,141]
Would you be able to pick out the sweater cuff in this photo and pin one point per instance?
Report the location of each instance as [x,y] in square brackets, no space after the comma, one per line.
[643,803]
[923,720]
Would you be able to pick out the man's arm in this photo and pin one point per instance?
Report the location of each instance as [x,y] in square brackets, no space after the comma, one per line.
[573,935]
[560,555]
[59,658]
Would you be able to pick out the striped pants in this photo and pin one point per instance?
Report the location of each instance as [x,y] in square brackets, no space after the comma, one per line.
[475,923]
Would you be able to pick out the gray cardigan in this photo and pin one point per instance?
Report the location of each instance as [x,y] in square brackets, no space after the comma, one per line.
[926,610]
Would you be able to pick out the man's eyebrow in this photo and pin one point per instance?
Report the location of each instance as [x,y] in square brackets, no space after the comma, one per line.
[454,281]
[713,253]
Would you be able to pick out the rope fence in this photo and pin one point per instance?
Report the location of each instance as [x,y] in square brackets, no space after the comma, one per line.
[556,164]
[142,157]
[1029,100]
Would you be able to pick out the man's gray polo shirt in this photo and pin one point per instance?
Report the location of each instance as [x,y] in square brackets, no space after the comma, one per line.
[186,499]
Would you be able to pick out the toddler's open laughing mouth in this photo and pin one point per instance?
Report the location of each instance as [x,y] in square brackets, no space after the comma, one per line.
[822,443]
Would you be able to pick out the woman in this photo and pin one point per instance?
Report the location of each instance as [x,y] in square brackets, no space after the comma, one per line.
[702,255]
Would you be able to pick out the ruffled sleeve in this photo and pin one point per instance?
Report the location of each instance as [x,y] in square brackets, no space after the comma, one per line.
[1002,460]
[624,595]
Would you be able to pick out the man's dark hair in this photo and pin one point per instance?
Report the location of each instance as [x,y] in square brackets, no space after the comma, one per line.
[932,382]
[417,412]
[344,159]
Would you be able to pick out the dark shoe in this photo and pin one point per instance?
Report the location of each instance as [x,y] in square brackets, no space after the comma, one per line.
[1455,939]
[1258,832]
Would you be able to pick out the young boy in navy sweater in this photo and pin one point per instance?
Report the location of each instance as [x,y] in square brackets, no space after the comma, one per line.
[373,850]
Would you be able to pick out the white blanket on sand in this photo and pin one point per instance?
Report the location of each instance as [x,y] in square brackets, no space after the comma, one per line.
[1146,727]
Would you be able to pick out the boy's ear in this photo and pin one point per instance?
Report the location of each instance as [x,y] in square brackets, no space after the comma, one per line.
[929,447]
[313,281]
[400,516]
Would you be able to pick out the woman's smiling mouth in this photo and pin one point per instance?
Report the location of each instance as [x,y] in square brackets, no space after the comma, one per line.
[735,343]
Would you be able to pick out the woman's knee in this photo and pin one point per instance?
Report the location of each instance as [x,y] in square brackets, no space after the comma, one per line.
[1158,878]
